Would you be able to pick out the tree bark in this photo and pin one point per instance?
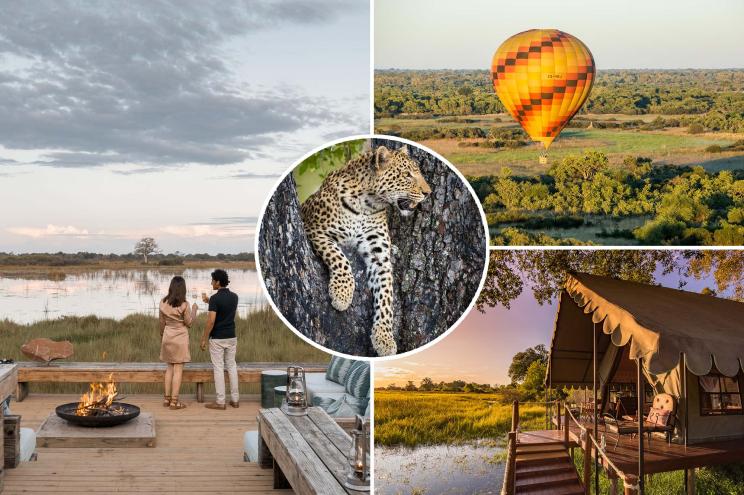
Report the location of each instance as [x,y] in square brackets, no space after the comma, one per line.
[439,255]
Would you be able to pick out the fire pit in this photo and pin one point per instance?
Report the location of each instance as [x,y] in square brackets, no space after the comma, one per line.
[119,413]
[98,407]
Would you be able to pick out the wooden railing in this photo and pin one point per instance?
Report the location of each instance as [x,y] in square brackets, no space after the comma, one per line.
[588,444]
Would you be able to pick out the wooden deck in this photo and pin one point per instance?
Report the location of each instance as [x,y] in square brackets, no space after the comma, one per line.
[198,451]
[660,457]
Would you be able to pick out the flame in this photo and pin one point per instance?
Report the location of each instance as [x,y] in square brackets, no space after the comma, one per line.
[98,399]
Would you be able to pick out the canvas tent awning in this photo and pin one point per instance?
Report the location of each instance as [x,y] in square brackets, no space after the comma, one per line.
[658,322]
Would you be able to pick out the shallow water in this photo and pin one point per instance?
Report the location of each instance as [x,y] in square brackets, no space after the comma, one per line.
[114,293]
[439,470]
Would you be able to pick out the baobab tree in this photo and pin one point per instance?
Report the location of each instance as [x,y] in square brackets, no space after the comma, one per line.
[146,247]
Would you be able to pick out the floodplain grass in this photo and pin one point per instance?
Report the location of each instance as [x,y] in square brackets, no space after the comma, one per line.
[670,146]
[262,337]
[429,418]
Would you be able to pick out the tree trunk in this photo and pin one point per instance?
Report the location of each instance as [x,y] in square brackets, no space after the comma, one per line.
[439,255]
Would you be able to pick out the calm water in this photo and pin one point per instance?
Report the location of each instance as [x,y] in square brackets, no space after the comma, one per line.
[439,470]
[113,293]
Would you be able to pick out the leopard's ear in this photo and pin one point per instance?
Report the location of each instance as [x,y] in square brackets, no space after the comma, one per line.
[404,149]
[381,156]
[367,146]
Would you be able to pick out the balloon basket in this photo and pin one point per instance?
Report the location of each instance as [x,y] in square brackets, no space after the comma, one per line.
[543,159]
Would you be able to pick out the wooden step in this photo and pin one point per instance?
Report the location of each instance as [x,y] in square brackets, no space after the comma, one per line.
[540,480]
[552,468]
[535,449]
[556,490]
[541,458]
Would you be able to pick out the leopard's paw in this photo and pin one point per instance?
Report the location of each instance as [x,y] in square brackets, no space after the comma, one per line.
[341,290]
[383,341]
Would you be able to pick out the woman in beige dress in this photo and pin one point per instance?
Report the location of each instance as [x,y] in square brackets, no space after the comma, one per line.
[176,318]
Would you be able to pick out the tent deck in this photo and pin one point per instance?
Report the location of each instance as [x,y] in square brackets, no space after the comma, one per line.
[658,456]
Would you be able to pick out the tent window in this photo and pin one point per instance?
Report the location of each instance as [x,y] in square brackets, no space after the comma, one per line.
[719,395]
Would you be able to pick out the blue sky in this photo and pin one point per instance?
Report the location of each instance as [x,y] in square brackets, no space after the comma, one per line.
[420,34]
[167,119]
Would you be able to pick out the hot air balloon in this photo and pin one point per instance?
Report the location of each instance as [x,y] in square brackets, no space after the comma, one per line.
[543,77]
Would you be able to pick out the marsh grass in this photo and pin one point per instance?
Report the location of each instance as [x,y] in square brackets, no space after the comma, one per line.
[426,418]
[262,337]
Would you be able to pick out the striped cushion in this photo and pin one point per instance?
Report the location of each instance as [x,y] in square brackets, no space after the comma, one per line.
[345,407]
[357,380]
[337,369]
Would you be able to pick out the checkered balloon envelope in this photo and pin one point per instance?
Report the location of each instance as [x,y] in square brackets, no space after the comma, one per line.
[543,77]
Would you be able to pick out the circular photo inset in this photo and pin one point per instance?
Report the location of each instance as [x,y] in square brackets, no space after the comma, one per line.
[372,246]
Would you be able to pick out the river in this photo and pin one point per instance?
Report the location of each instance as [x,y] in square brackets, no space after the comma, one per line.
[112,293]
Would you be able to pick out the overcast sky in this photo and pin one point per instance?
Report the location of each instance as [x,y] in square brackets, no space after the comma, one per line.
[464,34]
[168,119]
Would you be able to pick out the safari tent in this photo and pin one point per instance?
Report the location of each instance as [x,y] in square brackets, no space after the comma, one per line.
[655,339]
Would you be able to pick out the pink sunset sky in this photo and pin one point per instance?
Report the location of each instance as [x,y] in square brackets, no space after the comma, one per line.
[480,349]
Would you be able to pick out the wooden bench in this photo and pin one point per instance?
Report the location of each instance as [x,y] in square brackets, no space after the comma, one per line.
[199,373]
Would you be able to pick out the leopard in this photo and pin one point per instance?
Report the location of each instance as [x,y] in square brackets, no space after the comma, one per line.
[350,209]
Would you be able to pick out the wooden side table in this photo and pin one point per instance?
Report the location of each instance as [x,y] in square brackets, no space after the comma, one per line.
[307,452]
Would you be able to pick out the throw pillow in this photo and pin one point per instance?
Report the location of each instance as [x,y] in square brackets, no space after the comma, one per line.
[658,416]
[357,380]
[338,368]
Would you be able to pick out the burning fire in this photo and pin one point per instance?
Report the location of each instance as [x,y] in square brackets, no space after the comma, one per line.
[97,401]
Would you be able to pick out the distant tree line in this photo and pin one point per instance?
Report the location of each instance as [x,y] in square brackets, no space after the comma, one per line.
[712,99]
[526,371]
[61,259]
[428,385]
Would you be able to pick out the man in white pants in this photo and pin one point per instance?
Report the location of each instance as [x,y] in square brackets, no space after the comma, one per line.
[220,331]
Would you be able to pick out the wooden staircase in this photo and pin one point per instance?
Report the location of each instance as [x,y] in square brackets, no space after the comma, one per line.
[546,468]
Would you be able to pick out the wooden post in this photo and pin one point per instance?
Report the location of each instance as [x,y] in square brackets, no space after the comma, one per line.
[594,409]
[613,485]
[515,415]
[566,425]
[21,391]
[587,461]
[641,394]
[558,414]
[630,485]
[199,392]
[684,393]
[690,481]
[547,411]
[510,474]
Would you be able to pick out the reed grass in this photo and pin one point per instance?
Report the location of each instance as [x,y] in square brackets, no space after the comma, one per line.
[262,337]
[427,418]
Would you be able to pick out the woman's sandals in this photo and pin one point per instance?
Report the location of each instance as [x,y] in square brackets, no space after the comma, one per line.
[166,400]
[176,404]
